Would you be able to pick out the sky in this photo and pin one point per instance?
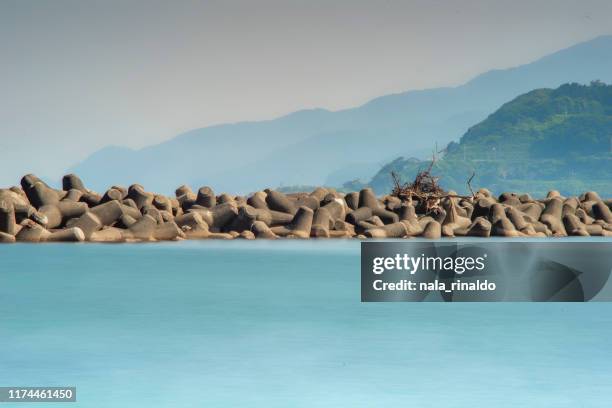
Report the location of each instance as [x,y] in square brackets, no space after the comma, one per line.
[78,75]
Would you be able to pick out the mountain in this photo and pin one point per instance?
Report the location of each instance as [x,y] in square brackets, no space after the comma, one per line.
[545,139]
[312,146]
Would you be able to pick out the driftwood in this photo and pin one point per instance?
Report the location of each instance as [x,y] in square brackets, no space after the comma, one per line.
[425,189]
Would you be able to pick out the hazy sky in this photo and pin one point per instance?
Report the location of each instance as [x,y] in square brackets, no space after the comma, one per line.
[79,75]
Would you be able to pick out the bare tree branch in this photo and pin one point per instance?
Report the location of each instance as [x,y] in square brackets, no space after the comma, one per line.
[469,183]
[425,189]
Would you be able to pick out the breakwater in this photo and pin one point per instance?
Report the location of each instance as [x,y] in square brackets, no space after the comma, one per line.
[35,212]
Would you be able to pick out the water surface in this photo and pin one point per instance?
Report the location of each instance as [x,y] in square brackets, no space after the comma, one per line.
[278,324]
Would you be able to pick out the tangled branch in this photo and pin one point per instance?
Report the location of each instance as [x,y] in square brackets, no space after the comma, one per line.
[425,189]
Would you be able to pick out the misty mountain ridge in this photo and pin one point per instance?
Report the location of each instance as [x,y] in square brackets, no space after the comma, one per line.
[312,147]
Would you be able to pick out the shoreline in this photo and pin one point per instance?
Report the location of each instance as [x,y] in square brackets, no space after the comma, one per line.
[35,212]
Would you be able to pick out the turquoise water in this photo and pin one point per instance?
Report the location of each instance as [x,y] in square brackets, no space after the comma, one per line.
[278,324]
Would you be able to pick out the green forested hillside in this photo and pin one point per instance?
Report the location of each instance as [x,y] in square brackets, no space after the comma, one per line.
[545,139]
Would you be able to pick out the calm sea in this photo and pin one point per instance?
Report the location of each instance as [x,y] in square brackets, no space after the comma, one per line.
[278,324]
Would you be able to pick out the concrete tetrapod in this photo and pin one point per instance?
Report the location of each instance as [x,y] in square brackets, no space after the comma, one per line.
[36,212]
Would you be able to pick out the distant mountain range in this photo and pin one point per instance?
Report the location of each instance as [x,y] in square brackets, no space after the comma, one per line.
[545,139]
[321,147]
